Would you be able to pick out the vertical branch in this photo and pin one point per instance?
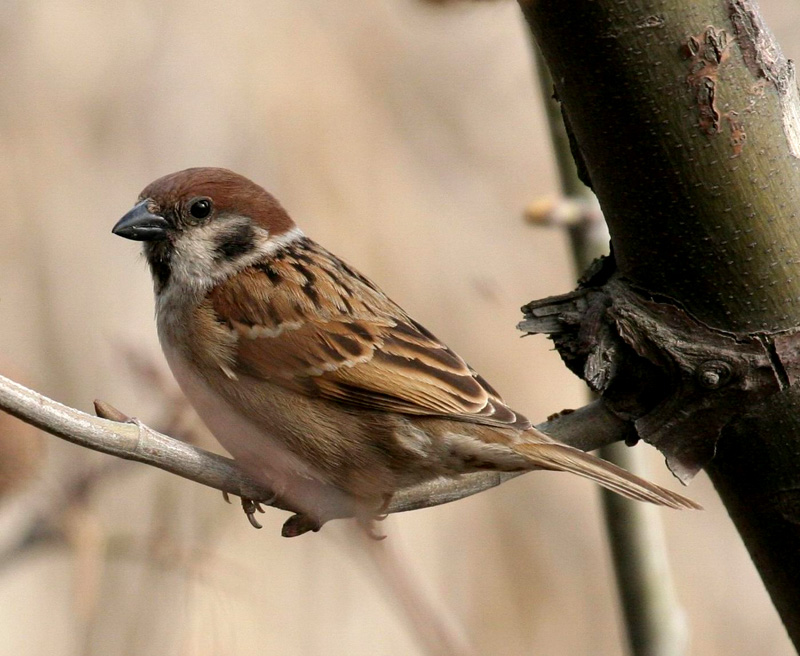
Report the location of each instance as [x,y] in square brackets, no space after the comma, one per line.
[654,620]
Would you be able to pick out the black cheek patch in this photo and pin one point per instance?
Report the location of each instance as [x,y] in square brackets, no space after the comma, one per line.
[234,242]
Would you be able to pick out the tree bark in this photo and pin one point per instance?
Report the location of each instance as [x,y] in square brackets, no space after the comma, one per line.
[685,119]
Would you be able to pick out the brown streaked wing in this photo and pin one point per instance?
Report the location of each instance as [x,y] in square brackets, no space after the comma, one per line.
[374,356]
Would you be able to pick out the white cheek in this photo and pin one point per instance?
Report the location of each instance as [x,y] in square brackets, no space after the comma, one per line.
[193,262]
[195,266]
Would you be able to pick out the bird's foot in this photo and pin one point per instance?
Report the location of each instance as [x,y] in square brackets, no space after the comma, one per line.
[251,507]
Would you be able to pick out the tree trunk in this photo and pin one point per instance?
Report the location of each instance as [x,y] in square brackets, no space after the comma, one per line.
[685,119]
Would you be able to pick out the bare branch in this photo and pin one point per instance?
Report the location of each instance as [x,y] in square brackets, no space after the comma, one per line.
[588,428]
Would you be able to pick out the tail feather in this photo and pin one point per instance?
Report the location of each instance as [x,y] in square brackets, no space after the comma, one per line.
[561,457]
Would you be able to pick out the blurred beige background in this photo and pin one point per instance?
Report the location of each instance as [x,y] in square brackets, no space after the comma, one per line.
[405,137]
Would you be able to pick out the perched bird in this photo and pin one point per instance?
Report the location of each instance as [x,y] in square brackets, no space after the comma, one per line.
[308,374]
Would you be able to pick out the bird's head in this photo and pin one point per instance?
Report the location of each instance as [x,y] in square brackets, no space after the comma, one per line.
[202,225]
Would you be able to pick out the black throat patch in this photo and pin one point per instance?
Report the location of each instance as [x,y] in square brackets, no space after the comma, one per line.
[159,257]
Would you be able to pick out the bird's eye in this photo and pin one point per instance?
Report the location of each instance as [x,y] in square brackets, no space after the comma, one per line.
[200,208]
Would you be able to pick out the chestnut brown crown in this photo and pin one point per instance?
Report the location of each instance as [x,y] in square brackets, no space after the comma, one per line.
[201,194]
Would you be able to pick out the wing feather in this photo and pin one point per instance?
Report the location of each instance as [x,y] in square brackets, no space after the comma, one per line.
[313,324]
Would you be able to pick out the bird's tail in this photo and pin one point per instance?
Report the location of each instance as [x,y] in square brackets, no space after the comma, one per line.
[560,457]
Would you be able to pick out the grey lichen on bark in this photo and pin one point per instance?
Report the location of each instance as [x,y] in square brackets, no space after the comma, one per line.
[686,117]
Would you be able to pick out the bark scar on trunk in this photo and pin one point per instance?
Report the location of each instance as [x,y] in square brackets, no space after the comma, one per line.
[764,59]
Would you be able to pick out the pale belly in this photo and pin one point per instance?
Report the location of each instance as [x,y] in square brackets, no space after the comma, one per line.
[261,456]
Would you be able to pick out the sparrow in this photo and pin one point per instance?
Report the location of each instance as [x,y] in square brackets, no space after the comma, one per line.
[316,382]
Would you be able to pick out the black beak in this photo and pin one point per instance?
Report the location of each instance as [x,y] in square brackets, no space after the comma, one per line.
[141,225]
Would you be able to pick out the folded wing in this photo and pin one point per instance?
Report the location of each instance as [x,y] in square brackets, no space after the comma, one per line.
[310,322]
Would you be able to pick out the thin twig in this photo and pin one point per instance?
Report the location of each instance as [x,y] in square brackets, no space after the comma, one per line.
[588,428]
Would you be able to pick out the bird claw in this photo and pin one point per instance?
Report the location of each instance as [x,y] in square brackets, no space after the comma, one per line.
[367,521]
[383,511]
[372,534]
[250,507]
